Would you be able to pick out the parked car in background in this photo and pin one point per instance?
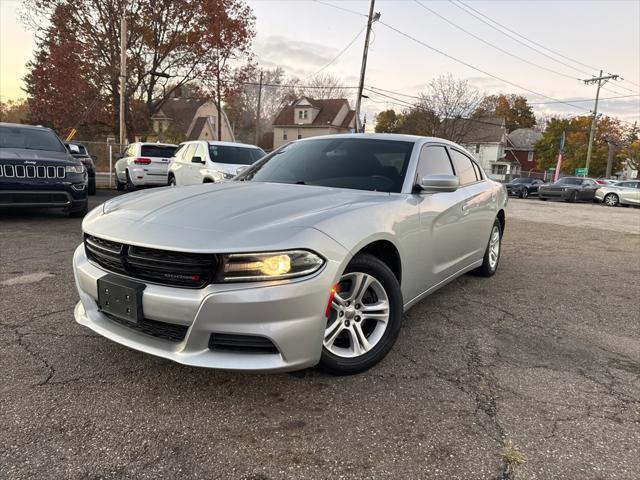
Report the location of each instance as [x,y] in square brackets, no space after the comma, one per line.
[144,164]
[606,181]
[309,256]
[623,193]
[36,170]
[523,187]
[79,152]
[203,161]
[569,189]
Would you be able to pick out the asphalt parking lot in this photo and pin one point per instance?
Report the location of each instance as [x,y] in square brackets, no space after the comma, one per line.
[545,354]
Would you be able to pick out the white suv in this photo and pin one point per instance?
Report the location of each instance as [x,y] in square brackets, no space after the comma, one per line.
[144,164]
[204,162]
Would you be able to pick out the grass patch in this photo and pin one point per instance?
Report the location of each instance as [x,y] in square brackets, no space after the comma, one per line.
[512,457]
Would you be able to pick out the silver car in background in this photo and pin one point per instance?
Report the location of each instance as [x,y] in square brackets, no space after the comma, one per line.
[143,164]
[622,193]
[308,257]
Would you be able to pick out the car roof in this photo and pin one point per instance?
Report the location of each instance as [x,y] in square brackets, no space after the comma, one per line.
[23,125]
[228,144]
[399,137]
[157,144]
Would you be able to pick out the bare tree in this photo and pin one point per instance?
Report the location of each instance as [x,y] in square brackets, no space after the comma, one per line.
[453,102]
[323,86]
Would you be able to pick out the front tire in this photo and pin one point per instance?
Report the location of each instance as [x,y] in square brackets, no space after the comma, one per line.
[492,253]
[573,197]
[364,319]
[611,200]
[524,193]
[92,186]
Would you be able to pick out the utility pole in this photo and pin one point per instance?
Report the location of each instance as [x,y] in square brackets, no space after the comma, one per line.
[600,80]
[610,155]
[258,111]
[123,75]
[363,68]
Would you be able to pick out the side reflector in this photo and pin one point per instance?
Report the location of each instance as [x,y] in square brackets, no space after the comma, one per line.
[331,296]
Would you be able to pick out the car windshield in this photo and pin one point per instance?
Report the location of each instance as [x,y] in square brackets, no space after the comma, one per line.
[355,163]
[234,155]
[163,151]
[570,181]
[30,138]
[523,180]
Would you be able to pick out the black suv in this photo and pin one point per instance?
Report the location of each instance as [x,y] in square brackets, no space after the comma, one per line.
[79,152]
[36,170]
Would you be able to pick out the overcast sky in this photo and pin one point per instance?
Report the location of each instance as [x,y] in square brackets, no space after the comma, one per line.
[304,36]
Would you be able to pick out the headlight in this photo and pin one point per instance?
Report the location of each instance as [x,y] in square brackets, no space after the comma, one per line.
[75,169]
[227,176]
[269,265]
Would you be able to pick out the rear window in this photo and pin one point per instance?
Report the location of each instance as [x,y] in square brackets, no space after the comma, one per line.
[234,155]
[570,181]
[30,139]
[162,151]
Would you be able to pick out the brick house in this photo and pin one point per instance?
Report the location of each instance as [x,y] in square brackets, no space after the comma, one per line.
[520,148]
[307,117]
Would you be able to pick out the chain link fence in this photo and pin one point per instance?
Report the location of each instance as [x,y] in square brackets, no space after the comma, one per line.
[106,153]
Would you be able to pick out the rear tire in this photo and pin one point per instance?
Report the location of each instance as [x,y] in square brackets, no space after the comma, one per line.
[362,326]
[491,258]
[120,186]
[130,186]
[172,181]
[611,200]
[524,193]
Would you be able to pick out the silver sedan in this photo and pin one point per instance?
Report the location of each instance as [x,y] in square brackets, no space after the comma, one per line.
[622,193]
[308,257]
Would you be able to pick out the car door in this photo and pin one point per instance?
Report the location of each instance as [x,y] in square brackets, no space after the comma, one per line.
[442,220]
[198,168]
[478,208]
[184,175]
[535,185]
[588,189]
[630,192]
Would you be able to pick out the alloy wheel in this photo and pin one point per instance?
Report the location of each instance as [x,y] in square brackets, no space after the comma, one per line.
[494,247]
[358,317]
[611,200]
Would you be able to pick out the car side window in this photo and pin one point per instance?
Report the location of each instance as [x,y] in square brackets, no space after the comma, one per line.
[179,151]
[188,152]
[463,166]
[476,169]
[199,152]
[130,151]
[433,160]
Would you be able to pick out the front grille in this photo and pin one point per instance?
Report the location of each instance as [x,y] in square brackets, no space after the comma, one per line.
[166,331]
[241,343]
[49,198]
[189,270]
[31,171]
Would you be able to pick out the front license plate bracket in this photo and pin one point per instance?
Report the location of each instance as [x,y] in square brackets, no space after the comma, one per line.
[121,298]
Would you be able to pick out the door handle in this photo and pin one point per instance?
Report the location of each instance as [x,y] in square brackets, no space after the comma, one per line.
[465,209]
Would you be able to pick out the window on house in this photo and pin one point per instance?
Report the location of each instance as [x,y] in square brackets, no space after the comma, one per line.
[300,114]
[305,114]
[299,136]
[284,134]
[499,169]
[477,148]
[530,157]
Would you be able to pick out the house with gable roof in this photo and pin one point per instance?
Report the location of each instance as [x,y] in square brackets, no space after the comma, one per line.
[307,117]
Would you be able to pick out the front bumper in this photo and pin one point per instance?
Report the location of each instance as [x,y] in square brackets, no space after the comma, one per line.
[599,195]
[559,194]
[289,314]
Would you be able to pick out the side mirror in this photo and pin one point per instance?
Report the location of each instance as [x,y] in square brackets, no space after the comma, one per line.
[439,183]
[94,158]
[197,160]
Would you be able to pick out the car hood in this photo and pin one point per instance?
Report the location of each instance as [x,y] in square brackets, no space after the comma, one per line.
[36,155]
[221,217]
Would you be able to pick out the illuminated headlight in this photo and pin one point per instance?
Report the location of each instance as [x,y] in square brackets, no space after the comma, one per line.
[74,169]
[228,176]
[269,266]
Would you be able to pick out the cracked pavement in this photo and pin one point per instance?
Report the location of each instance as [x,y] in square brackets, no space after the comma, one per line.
[546,353]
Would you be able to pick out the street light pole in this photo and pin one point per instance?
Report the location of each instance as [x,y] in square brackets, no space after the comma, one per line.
[123,75]
[363,68]
[600,80]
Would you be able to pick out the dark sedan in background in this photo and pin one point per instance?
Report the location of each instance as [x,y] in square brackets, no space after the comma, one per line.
[523,187]
[569,189]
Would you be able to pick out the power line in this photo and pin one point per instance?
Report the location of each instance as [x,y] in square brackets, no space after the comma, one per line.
[295,85]
[555,72]
[465,8]
[476,68]
[340,8]
[339,54]
[586,99]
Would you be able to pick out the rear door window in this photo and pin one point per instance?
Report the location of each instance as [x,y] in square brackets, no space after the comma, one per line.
[188,153]
[464,167]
